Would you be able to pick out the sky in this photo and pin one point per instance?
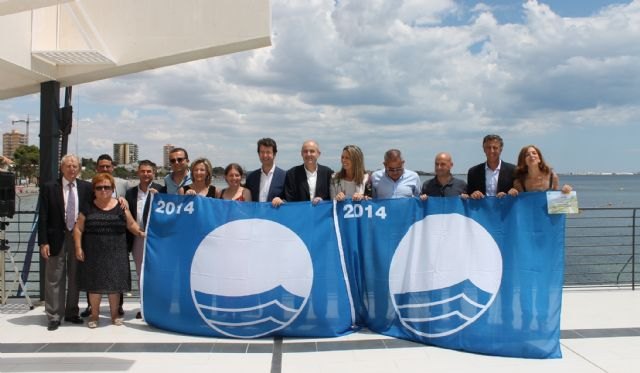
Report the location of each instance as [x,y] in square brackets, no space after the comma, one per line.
[419,76]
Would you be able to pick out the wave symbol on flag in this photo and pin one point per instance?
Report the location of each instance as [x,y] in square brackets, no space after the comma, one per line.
[442,309]
[250,315]
[444,275]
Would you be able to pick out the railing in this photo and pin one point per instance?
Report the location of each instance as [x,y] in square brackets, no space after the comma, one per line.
[600,250]
[18,233]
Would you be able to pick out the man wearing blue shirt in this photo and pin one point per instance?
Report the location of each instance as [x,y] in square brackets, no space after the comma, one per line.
[180,175]
[395,181]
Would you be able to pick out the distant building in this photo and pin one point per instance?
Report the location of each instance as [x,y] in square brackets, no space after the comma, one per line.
[11,141]
[165,155]
[125,153]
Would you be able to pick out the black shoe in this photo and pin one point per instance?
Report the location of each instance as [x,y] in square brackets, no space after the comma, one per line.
[86,312]
[74,319]
[120,311]
[138,315]
[53,325]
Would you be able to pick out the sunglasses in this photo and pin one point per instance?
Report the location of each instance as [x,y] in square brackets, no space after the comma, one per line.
[103,187]
[395,169]
[176,160]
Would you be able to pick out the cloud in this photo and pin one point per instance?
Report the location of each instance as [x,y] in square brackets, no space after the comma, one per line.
[421,76]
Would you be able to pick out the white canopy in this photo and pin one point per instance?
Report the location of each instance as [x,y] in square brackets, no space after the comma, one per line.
[79,41]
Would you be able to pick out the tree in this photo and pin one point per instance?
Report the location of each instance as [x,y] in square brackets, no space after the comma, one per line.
[122,173]
[27,159]
[88,167]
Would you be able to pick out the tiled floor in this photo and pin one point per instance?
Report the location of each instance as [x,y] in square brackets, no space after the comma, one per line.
[600,333]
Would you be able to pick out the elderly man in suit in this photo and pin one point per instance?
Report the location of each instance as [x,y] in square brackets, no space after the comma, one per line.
[493,177]
[310,181]
[139,198]
[60,202]
[267,182]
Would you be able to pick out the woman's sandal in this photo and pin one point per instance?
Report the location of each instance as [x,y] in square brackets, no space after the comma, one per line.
[117,321]
[92,324]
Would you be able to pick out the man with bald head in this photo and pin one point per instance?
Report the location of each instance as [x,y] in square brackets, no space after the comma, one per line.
[443,184]
[310,181]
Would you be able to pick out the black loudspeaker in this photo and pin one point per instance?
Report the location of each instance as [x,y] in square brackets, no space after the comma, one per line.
[7,194]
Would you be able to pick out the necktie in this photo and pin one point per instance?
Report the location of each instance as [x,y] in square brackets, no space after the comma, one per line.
[71,208]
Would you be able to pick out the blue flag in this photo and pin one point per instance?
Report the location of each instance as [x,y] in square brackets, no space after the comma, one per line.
[478,275]
[244,270]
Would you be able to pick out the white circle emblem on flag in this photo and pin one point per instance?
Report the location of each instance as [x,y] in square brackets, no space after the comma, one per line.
[444,275]
[251,277]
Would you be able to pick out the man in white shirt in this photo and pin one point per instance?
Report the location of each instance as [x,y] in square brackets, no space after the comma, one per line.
[266,183]
[310,181]
[139,199]
[105,164]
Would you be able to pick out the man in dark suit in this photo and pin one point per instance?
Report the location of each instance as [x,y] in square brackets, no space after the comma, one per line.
[60,202]
[139,198]
[267,182]
[309,181]
[493,177]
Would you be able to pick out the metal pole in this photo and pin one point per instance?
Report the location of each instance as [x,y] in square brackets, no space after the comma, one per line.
[49,144]
[633,252]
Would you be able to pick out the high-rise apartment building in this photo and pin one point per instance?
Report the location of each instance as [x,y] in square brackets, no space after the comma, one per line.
[125,153]
[11,141]
[165,155]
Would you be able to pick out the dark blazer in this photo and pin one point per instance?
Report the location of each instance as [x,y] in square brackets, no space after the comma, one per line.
[296,187]
[132,199]
[275,190]
[476,178]
[52,225]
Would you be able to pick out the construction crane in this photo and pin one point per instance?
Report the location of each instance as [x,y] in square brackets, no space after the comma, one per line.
[27,123]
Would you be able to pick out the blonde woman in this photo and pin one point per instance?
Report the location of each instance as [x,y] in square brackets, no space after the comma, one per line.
[201,176]
[352,180]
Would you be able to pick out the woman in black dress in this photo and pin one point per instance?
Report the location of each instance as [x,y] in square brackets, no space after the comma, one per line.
[101,247]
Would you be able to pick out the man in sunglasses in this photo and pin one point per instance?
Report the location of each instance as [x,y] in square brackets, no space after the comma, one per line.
[394,181]
[180,175]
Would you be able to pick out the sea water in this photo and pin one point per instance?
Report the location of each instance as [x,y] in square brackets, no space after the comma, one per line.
[594,191]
